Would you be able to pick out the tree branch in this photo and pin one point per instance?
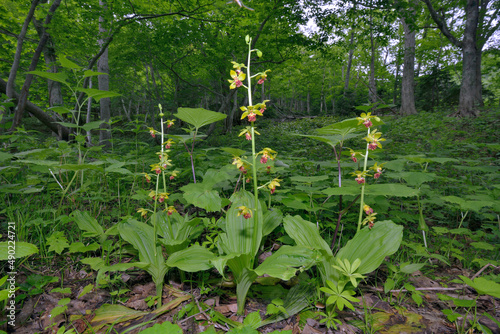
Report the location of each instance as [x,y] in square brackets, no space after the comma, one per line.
[442,25]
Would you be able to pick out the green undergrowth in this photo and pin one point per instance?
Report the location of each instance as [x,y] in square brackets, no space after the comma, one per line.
[439,184]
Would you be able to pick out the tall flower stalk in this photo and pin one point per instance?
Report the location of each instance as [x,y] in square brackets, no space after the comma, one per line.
[160,169]
[373,139]
[251,112]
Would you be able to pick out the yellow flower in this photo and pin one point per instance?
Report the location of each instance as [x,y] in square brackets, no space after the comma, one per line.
[171,209]
[238,77]
[143,212]
[245,212]
[273,184]
[247,132]
[267,153]
[169,123]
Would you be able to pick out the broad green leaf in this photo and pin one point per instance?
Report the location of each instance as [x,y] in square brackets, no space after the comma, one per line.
[75,167]
[95,263]
[346,127]
[272,219]
[85,290]
[184,138]
[390,189]
[389,285]
[61,110]
[202,196]
[483,286]
[482,245]
[176,230]
[97,94]
[305,233]
[411,268]
[415,179]
[193,259]
[59,77]
[163,328]
[117,168]
[347,190]
[68,125]
[92,125]
[5,156]
[253,320]
[199,117]
[372,246]
[142,237]
[58,310]
[233,151]
[22,249]
[286,261]
[79,247]
[57,242]
[212,177]
[239,231]
[66,63]
[295,203]
[90,73]
[113,314]
[88,224]
[309,179]
[466,204]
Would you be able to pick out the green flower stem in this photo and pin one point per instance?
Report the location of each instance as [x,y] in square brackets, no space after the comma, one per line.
[249,77]
[254,155]
[362,201]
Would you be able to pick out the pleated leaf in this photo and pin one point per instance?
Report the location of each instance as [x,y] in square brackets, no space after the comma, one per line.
[286,261]
[192,259]
[372,246]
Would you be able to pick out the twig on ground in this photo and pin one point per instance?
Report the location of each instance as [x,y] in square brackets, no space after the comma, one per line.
[483,269]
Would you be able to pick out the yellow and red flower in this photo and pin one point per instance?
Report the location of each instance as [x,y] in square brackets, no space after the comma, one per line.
[245,212]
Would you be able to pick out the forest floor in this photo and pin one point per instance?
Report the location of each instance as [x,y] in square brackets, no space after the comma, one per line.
[395,312]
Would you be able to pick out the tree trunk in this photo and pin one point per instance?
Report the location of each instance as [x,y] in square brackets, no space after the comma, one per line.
[468,91]
[17,57]
[395,89]
[470,88]
[89,112]
[49,53]
[349,63]
[103,83]
[41,115]
[407,88]
[23,98]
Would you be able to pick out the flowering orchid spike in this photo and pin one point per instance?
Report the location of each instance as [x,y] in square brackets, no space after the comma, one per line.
[240,3]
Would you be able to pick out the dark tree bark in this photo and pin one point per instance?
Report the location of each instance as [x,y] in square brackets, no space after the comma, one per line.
[407,87]
[19,49]
[478,29]
[49,53]
[23,98]
[40,114]
[349,63]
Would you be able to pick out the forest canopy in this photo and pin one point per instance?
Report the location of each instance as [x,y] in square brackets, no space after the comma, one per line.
[326,56]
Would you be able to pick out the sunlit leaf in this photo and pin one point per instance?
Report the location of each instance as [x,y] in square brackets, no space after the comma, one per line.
[66,63]
[22,249]
[193,259]
[371,246]
[199,117]
[59,76]
[97,94]
[90,73]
